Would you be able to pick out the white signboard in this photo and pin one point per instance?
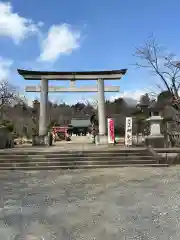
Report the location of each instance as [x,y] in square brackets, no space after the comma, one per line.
[128,132]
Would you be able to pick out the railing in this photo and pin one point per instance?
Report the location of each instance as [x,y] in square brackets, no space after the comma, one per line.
[172,139]
[176,137]
[138,140]
[171,132]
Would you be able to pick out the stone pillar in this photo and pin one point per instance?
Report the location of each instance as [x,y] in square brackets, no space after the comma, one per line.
[101,112]
[43,118]
[155,139]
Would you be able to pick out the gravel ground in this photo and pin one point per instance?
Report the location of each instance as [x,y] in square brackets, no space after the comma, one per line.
[127,203]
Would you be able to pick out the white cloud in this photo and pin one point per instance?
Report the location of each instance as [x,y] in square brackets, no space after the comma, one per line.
[5,65]
[27,99]
[135,95]
[61,39]
[13,25]
[29,102]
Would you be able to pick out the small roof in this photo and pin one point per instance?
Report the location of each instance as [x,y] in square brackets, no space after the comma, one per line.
[82,75]
[80,122]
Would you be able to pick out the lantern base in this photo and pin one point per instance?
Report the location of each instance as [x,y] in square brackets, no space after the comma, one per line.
[155,141]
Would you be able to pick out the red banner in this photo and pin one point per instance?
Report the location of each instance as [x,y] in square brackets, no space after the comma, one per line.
[111,133]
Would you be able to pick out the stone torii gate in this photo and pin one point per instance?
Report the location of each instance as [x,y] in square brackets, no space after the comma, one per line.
[43,88]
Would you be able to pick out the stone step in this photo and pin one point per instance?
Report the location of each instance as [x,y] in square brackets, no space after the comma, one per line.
[105,153]
[56,167]
[75,163]
[74,158]
[93,157]
[73,153]
[65,152]
[167,150]
[115,153]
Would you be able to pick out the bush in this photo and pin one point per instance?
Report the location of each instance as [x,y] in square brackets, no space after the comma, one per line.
[8,125]
[34,132]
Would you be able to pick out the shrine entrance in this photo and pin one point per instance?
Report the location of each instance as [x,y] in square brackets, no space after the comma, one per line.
[44,88]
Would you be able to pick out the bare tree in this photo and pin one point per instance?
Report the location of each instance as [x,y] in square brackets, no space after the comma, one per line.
[93,103]
[164,65]
[8,94]
[154,57]
[9,98]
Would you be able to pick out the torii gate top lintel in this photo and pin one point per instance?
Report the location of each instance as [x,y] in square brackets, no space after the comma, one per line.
[44,88]
[84,75]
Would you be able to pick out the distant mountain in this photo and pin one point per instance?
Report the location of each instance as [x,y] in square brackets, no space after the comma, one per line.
[130,101]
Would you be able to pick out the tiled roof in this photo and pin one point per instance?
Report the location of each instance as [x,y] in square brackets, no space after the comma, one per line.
[80,123]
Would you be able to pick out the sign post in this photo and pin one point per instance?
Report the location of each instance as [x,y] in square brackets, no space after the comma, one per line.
[128,132]
[111,133]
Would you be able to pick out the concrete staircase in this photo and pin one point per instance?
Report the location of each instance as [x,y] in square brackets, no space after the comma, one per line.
[109,158]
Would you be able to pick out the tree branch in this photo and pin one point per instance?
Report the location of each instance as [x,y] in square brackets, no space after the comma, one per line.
[150,56]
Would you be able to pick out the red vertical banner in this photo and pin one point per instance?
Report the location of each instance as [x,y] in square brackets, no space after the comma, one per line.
[111,133]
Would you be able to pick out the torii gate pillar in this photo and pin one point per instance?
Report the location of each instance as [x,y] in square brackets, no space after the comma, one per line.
[99,76]
[43,116]
[101,108]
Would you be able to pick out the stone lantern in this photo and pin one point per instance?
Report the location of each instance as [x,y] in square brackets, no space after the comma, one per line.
[155,139]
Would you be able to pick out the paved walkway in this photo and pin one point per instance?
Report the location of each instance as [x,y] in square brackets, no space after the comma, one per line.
[78,143]
[63,146]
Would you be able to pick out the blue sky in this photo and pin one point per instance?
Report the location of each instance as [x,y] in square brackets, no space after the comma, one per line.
[97,35]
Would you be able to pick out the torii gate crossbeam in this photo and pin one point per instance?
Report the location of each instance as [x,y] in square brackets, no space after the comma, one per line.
[45,76]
